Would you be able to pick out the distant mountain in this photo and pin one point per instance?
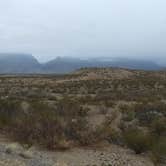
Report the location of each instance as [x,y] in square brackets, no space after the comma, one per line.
[18,63]
[133,64]
[63,65]
[26,63]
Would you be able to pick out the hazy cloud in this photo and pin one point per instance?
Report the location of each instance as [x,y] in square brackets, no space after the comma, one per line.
[82,28]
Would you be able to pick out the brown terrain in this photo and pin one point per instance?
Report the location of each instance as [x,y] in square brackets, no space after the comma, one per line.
[91,117]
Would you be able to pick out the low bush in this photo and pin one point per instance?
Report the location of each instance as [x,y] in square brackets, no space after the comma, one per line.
[51,127]
[158,126]
[128,112]
[137,140]
[159,151]
[146,113]
[108,132]
[8,110]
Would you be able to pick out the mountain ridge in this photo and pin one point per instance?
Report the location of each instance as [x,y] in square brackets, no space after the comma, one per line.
[27,63]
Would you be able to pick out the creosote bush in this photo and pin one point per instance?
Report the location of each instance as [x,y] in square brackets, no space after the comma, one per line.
[158,126]
[8,110]
[137,140]
[51,127]
[159,151]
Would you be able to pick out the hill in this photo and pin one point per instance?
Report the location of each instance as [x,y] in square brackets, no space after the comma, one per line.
[26,63]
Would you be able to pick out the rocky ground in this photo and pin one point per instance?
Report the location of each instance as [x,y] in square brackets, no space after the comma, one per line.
[13,154]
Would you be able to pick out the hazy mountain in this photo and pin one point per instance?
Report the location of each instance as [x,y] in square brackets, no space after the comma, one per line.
[63,65]
[18,63]
[66,64]
[26,63]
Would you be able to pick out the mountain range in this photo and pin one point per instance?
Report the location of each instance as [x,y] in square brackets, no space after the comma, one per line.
[26,63]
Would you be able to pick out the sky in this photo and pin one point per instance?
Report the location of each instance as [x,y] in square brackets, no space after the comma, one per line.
[84,28]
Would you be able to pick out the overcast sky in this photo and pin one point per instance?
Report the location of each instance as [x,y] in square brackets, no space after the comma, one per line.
[84,28]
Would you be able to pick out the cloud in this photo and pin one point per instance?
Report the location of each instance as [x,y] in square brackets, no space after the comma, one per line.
[49,28]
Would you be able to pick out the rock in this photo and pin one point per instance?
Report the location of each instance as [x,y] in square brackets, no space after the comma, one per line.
[14,148]
[27,154]
[25,107]
[60,164]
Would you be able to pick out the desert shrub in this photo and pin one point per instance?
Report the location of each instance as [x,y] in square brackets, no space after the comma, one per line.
[69,108]
[146,113]
[124,107]
[129,116]
[79,131]
[109,103]
[158,126]
[127,111]
[42,128]
[159,151]
[8,110]
[52,127]
[106,131]
[114,136]
[137,140]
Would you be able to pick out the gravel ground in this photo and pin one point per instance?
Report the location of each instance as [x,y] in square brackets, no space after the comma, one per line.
[12,154]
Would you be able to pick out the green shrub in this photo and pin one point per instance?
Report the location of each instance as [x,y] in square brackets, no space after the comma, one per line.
[146,113]
[8,110]
[159,151]
[137,140]
[158,126]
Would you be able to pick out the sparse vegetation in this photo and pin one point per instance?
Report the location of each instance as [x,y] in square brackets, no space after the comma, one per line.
[59,112]
[52,127]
